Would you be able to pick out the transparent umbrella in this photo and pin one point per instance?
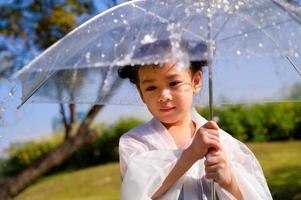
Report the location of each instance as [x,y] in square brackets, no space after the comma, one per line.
[253,49]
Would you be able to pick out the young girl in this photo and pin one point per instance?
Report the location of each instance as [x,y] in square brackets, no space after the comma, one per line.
[178,153]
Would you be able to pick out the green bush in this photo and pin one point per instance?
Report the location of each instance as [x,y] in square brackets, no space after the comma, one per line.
[259,122]
[103,149]
[24,155]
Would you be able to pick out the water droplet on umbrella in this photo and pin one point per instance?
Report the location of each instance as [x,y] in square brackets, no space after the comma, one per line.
[115,20]
[2,110]
[187,11]
[246,34]
[260,44]
[124,21]
[236,7]
[88,55]
[148,38]
[238,52]
[226,8]
[11,92]
[296,54]
[121,15]
[102,55]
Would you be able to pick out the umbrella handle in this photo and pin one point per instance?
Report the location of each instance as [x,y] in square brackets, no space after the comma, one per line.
[212,183]
[212,187]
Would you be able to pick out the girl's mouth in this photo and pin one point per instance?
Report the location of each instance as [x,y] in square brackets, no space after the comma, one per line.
[167,108]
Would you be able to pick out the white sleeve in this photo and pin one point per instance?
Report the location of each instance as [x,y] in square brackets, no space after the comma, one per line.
[128,148]
[146,172]
[246,169]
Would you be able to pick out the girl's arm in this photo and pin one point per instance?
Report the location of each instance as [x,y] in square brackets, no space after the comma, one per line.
[183,165]
[205,138]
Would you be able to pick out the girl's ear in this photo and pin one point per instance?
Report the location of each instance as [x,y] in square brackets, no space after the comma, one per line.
[197,82]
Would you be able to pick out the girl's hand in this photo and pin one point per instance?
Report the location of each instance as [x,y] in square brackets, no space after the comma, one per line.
[217,168]
[207,137]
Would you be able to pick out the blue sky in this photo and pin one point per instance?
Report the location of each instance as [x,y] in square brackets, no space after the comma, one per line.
[34,121]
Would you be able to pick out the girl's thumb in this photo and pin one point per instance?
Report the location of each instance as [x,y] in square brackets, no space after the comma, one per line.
[211,125]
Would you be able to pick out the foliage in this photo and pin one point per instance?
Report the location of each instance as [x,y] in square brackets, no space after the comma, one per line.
[28,27]
[103,149]
[259,122]
[22,156]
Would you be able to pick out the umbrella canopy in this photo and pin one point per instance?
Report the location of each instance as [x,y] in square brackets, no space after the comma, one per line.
[254,47]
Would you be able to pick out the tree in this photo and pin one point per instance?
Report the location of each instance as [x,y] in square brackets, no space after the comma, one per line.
[28,28]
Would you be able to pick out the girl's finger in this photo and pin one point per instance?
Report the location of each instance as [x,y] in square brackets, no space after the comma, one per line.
[211,125]
[212,132]
[215,145]
[213,137]
[212,176]
[217,169]
[212,160]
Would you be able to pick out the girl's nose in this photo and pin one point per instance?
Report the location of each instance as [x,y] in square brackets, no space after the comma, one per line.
[165,95]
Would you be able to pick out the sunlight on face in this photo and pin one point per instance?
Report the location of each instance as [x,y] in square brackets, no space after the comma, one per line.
[168,90]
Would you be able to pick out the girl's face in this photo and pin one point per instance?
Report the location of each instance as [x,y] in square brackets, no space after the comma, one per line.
[168,91]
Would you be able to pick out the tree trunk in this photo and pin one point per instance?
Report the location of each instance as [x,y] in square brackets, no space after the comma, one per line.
[67,125]
[16,184]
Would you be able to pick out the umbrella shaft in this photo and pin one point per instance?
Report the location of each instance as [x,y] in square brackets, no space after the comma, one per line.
[213,196]
[210,91]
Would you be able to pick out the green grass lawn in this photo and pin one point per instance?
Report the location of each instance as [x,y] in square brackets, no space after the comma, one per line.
[281,162]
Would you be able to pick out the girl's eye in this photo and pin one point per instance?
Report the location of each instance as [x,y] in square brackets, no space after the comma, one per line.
[150,88]
[174,83]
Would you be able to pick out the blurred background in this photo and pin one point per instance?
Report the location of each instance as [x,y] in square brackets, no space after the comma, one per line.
[78,144]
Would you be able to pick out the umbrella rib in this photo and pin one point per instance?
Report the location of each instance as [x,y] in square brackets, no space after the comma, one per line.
[251,31]
[164,20]
[222,27]
[35,90]
[290,12]
[293,64]
[258,28]
[268,26]
[272,39]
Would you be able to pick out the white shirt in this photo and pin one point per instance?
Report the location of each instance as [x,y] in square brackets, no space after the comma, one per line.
[148,153]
